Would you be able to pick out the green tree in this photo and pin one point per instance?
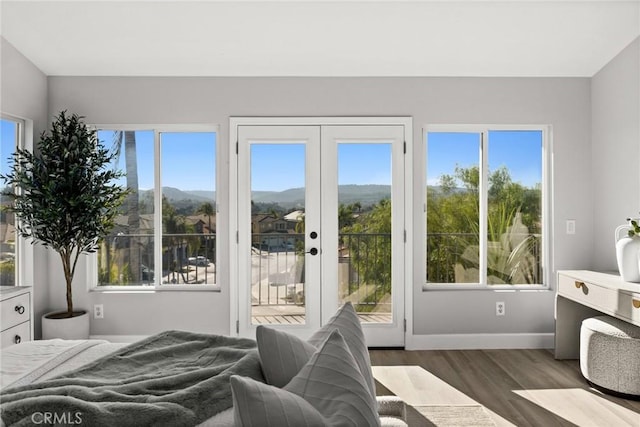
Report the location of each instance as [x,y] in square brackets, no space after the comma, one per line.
[369,244]
[453,222]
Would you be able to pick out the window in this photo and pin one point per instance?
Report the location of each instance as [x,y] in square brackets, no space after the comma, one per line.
[485,206]
[11,132]
[171,175]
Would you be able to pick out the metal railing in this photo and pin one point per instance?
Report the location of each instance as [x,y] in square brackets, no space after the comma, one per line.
[445,251]
[364,269]
[128,259]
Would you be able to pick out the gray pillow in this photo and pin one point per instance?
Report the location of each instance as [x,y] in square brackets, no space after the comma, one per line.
[330,382]
[346,320]
[259,404]
[282,355]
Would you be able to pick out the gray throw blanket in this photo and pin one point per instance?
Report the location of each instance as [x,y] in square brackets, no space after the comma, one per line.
[173,378]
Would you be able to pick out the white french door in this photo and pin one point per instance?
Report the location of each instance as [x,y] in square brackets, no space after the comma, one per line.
[321,220]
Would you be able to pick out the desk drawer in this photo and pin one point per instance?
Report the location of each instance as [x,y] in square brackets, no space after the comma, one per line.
[15,335]
[588,294]
[629,307]
[15,310]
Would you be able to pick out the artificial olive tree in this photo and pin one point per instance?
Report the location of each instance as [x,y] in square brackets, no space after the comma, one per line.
[65,193]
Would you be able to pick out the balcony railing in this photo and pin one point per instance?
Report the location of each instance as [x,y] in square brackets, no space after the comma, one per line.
[516,256]
[186,259]
[364,270]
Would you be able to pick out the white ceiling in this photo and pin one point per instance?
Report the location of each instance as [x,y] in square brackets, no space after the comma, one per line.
[320,38]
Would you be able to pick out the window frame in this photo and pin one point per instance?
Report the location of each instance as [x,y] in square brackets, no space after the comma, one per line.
[24,252]
[221,240]
[546,208]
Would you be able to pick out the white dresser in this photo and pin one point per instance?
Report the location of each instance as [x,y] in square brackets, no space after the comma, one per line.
[15,312]
[582,294]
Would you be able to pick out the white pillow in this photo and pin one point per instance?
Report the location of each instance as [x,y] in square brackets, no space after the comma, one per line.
[330,382]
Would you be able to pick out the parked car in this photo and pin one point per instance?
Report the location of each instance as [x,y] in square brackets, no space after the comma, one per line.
[199,261]
[147,273]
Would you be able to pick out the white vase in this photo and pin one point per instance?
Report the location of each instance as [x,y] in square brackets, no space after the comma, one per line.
[68,328]
[628,255]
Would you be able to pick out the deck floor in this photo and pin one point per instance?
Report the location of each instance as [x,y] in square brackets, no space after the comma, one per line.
[299,319]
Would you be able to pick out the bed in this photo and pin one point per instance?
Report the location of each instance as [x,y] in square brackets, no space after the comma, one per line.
[178,378]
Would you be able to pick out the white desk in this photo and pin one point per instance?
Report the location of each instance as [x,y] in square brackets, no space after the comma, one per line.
[582,294]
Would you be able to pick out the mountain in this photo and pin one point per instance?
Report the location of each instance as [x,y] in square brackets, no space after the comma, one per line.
[347,194]
[201,194]
[293,197]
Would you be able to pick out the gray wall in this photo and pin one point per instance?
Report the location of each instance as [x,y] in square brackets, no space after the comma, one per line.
[615,129]
[23,94]
[563,103]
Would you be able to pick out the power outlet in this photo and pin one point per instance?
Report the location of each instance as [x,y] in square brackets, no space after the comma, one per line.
[98,311]
[571,226]
[500,308]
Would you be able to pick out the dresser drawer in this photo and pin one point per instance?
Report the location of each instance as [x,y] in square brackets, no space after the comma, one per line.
[15,310]
[19,333]
[588,294]
[629,307]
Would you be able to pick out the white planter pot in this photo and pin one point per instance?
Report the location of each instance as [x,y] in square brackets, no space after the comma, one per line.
[68,328]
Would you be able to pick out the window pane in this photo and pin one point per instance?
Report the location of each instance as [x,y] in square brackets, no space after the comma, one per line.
[188,207]
[125,256]
[453,177]
[278,188]
[8,241]
[364,222]
[514,217]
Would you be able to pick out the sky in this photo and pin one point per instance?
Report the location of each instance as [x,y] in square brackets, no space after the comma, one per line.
[519,151]
[7,144]
[188,159]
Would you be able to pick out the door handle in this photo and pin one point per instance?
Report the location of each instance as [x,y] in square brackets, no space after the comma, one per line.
[312,251]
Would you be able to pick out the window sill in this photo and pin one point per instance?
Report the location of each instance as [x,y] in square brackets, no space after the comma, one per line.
[481,287]
[154,289]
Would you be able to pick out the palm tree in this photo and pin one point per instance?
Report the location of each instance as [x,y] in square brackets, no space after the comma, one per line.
[207,209]
[132,257]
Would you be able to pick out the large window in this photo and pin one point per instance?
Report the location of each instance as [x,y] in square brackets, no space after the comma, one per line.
[166,232]
[10,137]
[485,206]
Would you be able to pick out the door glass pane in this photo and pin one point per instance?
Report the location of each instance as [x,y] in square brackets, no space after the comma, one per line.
[277,233]
[188,177]
[514,208]
[364,223]
[125,256]
[453,179]
[8,236]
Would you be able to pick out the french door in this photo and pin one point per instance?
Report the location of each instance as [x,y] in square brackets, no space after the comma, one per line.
[321,222]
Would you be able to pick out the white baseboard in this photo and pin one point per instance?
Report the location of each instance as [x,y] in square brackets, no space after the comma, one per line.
[119,338]
[479,341]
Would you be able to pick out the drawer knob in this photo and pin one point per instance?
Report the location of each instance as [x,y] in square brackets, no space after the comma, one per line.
[636,303]
[579,284]
[17,339]
[20,309]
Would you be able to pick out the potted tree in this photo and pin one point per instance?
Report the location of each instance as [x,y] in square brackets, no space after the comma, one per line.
[65,196]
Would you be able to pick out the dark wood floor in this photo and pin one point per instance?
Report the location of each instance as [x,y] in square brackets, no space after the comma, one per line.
[517,387]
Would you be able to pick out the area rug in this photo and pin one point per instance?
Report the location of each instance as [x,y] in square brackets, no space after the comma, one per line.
[453,416]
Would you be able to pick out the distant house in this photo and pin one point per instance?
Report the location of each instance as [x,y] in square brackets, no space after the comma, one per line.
[203,224]
[279,231]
